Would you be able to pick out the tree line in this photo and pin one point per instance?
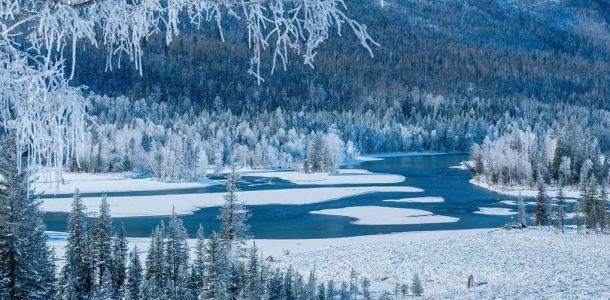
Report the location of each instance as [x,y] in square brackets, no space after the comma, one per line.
[98,263]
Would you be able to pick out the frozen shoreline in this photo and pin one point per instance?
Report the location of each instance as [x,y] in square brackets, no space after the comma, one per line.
[525,191]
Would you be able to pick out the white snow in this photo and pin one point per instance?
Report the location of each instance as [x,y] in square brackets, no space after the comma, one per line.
[343,176]
[378,215]
[417,200]
[108,182]
[529,264]
[533,264]
[160,205]
[495,211]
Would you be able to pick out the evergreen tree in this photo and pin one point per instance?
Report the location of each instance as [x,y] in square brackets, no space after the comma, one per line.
[288,292]
[589,201]
[176,258]
[214,280]
[560,216]
[119,260]
[542,216]
[344,293]
[330,290]
[156,276]
[404,290]
[233,217]
[366,284]
[521,212]
[78,271]
[27,270]
[416,287]
[198,267]
[601,209]
[101,243]
[253,284]
[134,276]
[353,284]
[311,284]
[321,294]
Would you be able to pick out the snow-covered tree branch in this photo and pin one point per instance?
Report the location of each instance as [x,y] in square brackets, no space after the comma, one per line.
[39,40]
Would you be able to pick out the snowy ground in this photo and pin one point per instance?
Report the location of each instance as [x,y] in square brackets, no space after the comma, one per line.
[343,176]
[108,182]
[161,205]
[531,264]
[378,215]
[417,200]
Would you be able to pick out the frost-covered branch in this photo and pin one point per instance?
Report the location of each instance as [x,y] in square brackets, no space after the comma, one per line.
[48,114]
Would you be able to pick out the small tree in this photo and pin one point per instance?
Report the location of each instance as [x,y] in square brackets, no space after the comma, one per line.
[416,286]
[542,215]
[233,216]
[521,216]
[366,284]
[134,275]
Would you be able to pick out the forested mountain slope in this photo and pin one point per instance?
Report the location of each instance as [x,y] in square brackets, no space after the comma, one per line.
[552,51]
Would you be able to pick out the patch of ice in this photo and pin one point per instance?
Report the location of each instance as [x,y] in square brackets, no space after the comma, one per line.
[378,215]
[495,211]
[417,200]
[343,176]
[161,205]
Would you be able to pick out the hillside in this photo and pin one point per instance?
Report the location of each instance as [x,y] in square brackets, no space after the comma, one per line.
[547,50]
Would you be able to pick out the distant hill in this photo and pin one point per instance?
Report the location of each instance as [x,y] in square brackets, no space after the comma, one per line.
[552,51]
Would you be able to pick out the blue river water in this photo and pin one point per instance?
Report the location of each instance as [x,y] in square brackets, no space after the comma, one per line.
[428,172]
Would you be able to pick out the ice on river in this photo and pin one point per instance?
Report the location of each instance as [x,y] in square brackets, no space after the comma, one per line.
[161,205]
[378,215]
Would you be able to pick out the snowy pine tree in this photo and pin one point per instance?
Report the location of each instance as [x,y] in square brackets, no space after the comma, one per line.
[156,276]
[78,269]
[416,287]
[101,243]
[176,258]
[134,276]
[541,212]
[119,260]
[198,266]
[233,217]
[26,267]
[366,285]
[522,219]
[216,271]
[252,277]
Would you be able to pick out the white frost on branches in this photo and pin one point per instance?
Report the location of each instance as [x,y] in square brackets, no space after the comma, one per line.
[48,114]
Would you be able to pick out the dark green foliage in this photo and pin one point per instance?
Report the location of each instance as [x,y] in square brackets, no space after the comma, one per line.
[27,270]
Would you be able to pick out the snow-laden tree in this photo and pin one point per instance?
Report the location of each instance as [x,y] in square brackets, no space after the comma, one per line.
[416,286]
[134,276]
[26,265]
[77,274]
[39,40]
[233,217]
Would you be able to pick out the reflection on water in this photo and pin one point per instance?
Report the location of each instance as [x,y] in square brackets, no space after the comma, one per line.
[430,173]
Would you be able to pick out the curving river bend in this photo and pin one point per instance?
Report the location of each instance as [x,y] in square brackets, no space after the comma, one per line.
[428,172]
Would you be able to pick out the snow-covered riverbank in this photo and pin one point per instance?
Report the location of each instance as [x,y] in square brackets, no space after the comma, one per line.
[525,191]
[529,264]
